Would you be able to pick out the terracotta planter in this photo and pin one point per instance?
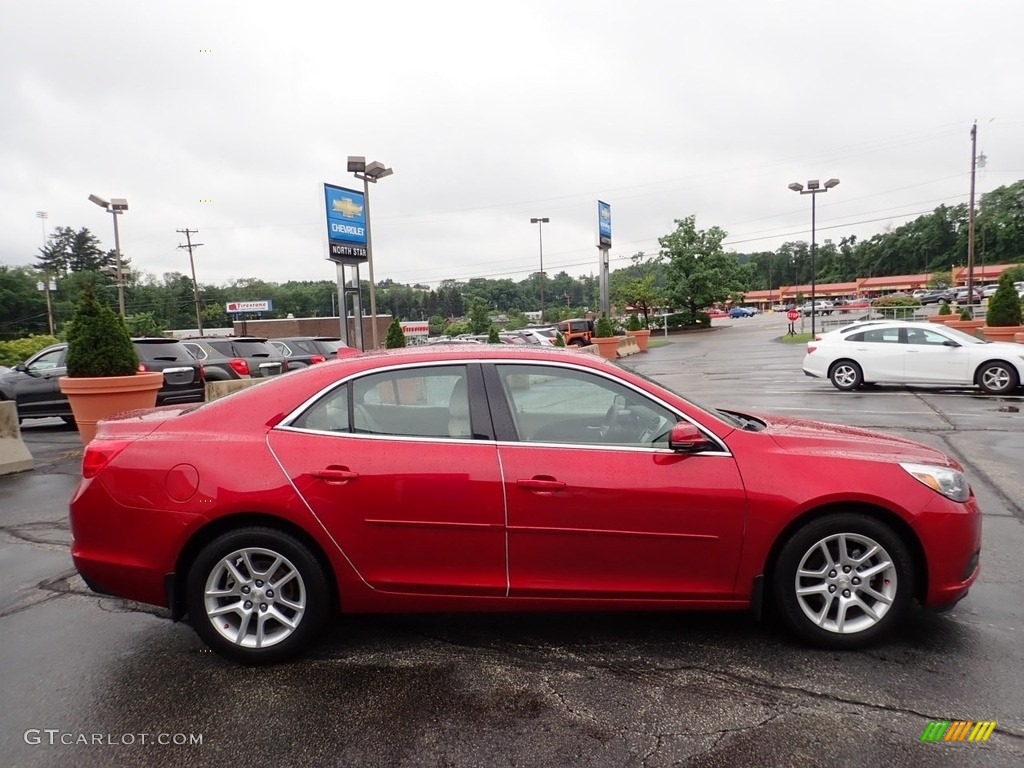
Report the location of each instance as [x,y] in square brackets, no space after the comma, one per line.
[1019,338]
[608,346]
[1002,332]
[93,399]
[643,338]
[965,325]
[937,318]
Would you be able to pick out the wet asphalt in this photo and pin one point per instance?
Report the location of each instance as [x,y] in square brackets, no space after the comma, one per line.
[92,681]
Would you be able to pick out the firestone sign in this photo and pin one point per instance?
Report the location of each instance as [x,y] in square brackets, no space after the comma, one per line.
[249,306]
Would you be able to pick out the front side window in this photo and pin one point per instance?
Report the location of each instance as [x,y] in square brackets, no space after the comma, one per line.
[924,336]
[48,360]
[562,405]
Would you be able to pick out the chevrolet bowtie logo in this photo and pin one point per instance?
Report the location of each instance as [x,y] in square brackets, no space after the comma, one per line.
[347,208]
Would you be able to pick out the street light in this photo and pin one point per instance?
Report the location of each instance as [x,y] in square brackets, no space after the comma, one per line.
[540,234]
[369,172]
[116,206]
[47,285]
[814,188]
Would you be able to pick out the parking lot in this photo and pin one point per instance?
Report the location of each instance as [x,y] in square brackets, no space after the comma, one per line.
[653,689]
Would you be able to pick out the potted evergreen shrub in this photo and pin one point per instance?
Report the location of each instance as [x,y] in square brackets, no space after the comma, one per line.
[559,340]
[966,321]
[605,339]
[943,314]
[640,334]
[492,336]
[103,368]
[1003,318]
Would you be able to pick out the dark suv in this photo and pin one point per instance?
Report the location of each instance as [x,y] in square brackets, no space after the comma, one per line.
[302,351]
[236,357]
[33,385]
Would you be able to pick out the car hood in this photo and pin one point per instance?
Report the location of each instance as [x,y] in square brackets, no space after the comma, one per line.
[814,437]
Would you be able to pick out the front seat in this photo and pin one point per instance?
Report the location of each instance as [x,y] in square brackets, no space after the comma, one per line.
[458,411]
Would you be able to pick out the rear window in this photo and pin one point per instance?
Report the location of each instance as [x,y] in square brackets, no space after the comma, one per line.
[162,351]
[244,348]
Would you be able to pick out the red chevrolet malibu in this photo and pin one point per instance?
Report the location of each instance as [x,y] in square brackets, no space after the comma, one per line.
[502,478]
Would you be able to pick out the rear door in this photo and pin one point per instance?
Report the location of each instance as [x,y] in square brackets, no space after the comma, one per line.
[401,469]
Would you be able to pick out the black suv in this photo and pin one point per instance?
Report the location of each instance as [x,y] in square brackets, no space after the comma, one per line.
[33,385]
[236,357]
[302,351]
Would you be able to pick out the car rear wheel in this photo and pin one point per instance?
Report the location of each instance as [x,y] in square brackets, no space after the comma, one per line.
[997,378]
[578,343]
[257,595]
[843,581]
[846,375]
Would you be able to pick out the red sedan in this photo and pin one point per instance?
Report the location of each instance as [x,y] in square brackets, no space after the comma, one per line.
[500,478]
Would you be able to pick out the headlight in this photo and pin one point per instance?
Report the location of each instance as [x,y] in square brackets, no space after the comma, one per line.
[946,481]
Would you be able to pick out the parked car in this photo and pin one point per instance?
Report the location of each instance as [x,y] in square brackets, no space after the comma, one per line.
[33,385]
[915,353]
[742,312]
[236,357]
[497,477]
[300,351]
[960,297]
[544,337]
[820,307]
[937,296]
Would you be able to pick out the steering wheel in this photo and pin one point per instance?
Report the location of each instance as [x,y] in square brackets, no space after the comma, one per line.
[610,420]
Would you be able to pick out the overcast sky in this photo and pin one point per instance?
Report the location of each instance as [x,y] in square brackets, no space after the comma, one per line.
[490,114]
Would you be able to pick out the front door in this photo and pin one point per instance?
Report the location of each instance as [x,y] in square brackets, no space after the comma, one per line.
[599,507]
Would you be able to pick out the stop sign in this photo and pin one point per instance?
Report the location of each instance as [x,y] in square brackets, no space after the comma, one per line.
[793,315]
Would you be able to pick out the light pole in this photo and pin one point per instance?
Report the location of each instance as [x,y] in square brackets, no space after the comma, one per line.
[369,172]
[540,234]
[814,187]
[42,216]
[116,206]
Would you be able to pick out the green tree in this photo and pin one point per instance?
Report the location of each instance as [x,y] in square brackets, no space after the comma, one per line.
[396,337]
[492,336]
[700,273]
[479,319]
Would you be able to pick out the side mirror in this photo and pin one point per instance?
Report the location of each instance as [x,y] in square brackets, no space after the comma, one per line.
[950,343]
[21,368]
[686,438]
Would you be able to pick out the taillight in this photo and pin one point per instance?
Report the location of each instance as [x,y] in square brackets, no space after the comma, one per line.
[142,368]
[99,453]
[810,348]
[241,367]
[317,359]
[202,372]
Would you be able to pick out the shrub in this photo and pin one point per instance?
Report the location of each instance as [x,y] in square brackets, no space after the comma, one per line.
[1004,306]
[19,350]
[559,340]
[634,323]
[944,309]
[396,336]
[98,341]
[492,336]
[604,328]
[966,315]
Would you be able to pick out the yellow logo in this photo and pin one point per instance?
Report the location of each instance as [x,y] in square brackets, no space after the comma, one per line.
[347,208]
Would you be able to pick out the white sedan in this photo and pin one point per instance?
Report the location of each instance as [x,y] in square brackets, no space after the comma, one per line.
[917,353]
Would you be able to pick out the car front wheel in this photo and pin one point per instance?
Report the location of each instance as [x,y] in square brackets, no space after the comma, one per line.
[843,581]
[997,378]
[846,375]
[257,595]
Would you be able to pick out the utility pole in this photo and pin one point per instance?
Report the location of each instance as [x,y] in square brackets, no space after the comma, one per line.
[195,286]
[970,218]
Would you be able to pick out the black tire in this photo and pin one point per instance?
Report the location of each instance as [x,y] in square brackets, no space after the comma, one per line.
[69,420]
[815,618]
[251,550]
[578,343]
[997,378]
[846,375]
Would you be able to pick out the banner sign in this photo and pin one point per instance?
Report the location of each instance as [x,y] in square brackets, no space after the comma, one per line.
[249,306]
[604,225]
[346,224]
[415,328]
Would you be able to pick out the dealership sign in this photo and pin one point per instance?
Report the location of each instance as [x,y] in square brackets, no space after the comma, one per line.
[346,224]
[604,225]
[249,306]
[415,328]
